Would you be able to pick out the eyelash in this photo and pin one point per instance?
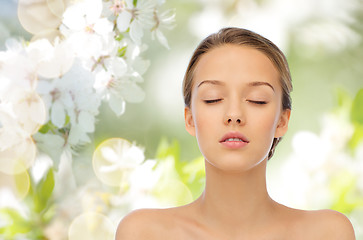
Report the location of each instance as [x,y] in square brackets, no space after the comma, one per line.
[257,102]
[212,101]
[251,101]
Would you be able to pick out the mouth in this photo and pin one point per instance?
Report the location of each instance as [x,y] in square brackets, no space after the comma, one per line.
[234,140]
[234,137]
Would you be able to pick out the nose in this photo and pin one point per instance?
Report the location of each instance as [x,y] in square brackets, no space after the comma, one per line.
[237,120]
[234,114]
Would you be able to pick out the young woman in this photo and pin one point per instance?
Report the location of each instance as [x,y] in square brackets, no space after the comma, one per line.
[237,105]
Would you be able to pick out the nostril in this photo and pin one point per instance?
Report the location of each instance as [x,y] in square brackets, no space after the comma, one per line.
[229,120]
[238,120]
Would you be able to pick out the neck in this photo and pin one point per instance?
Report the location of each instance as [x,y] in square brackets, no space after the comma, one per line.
[232,199]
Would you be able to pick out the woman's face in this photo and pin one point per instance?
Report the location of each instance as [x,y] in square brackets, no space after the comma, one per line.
[236,108]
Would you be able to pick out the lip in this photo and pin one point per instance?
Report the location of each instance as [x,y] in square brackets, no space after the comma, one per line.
[234,144]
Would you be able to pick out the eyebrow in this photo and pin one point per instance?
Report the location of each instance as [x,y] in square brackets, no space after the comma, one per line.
[214,82]
[255,84]
[251,84]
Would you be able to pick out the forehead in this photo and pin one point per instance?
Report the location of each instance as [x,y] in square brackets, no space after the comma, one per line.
[236,65]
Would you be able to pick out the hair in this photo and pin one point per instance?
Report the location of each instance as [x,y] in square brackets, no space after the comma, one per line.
[242,37]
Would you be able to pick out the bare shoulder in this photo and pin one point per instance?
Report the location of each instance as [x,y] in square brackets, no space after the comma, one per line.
[148,224]
[140,224]
[328,224]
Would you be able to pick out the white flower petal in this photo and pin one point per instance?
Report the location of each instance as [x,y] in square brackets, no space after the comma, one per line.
[29,109]
[50,144]
[84,138]
[119,66]
[93,10]
[58,115]
[103,26]
[136,77]
[19,157]
[75,135]
[117,105]
[44,87]
[135,155]
[102,78]
[58,64]
[9,137]
[86,121]
[73,18]
[161,38]
[66,99]
[109,154]
[140,65]
[86,46]
[40,50]
[7,115]
[136,31]
[123,21]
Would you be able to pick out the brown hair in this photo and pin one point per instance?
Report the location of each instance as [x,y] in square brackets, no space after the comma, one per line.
[242,37]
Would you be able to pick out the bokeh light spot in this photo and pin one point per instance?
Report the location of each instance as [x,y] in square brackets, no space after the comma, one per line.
[91,225]
[114,160]
[29,109]
[18,184]
[18,158]
[36,16]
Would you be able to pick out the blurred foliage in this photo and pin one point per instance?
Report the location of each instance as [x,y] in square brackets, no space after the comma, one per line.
[190,173]
[345,186]
[347,197]
[39,211]
[356,115]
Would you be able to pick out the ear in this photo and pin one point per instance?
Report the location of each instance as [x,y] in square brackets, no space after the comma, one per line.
[189,122]
[283,124]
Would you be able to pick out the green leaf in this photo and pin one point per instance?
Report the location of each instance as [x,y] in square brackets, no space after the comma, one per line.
[356,113]
[357,136]
[356,116]
[49,214]
[165,150]
[44,129]
[44,191]
[18,224]
[47,127]
[12,214]
[193,175]
[346,196]
[67,121]
[121,51]
[343,98]
[190,173]
[119,37]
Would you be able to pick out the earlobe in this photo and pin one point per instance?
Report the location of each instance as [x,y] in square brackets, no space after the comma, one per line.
[283,124]
[189,122]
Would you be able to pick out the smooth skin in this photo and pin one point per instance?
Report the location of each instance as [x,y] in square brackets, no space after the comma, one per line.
[235,89]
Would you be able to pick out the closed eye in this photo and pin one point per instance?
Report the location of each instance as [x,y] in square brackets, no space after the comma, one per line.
[213,100]
[257,102]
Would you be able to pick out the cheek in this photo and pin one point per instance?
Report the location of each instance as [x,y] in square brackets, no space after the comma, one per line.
[205,120]
[266,121]
[202,120]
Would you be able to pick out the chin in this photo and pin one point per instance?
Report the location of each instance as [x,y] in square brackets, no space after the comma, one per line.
[235,165]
